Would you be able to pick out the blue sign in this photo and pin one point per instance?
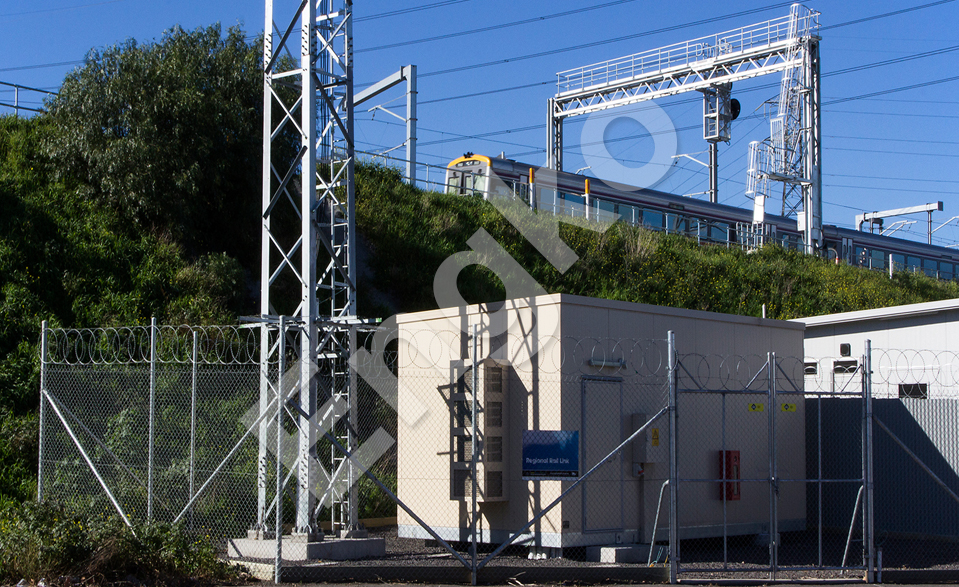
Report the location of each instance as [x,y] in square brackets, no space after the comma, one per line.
[550,454]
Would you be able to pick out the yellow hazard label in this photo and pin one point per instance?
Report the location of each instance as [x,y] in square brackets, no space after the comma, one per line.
[789,407]
[654,437]
[756,407]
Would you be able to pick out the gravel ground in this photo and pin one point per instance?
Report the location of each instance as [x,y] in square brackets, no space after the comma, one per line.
[747,559]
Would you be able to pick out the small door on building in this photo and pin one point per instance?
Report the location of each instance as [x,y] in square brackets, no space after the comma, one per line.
[601,433]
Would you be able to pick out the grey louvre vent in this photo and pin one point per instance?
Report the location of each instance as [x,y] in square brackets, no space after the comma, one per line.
[494,414]
[494,484]
[494,380]
[464,449]
[494,449]
[811,368]
[461,414]
[461,483]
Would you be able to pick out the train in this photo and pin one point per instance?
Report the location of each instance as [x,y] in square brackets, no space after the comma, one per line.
[578,196]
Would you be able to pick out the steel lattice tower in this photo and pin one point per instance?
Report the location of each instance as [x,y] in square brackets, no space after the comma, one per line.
[308,167]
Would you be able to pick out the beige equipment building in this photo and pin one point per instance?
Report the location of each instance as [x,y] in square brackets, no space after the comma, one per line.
[569,363]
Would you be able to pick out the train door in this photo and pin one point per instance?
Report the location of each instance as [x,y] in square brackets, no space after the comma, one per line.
[467,182]
[454,182]
[522,189]
[847,250]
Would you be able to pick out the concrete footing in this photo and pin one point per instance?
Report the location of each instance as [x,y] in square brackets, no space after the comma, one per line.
[304,548]
[626,553]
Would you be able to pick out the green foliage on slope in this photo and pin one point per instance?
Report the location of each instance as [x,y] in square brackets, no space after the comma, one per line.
[46,540]
[136,196]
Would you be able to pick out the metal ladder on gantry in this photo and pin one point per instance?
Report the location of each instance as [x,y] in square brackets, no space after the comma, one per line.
[309,244]
[787,45]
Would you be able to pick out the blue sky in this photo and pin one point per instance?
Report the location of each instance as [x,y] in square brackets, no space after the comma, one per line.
[894,149]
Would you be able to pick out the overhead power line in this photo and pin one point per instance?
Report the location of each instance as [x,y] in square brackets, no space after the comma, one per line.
[882,189]
[678,27]
[484,93]
[892,113]
[893,140]
[879,178]
[492,28]
[607,41]
[408,10]
[46,10]
[885,15]
[42,65]
[827,103]
[892,90]
[888,152]
[883,63]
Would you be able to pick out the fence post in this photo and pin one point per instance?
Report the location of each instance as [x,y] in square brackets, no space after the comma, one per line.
[196,337]
[867,518]
[673,462]
[280,392]
[43,387]
[352,474]
[474,445]
[150,438]
[773,470]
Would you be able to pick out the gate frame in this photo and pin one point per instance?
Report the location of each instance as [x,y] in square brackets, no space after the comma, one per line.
[771,368]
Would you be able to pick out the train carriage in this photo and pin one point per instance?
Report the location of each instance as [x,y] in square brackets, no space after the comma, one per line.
[573,195]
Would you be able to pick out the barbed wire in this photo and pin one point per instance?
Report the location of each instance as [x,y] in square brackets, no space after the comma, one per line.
[223,345]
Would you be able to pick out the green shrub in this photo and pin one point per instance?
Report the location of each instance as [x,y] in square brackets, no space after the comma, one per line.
[43,540]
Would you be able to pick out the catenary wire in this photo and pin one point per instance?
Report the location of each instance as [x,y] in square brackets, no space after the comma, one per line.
[491,28]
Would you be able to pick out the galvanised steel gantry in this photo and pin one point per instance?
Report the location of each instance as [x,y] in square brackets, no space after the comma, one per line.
[789,45]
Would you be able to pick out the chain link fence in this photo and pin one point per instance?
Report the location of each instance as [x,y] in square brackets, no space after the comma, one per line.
[452,455]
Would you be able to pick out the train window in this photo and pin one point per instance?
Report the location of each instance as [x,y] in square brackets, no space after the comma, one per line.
[479,185]
[502,188]
[454,187]
[898,261]
[630,214]
[912,263]
[653,219]
[877,259]
[574,204]
[605,210]
[718,232]
[677,223]
[522,191]
[547,200]
[930,267]
[945,270]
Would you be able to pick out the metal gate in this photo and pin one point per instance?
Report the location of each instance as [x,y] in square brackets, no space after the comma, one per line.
[780,490]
